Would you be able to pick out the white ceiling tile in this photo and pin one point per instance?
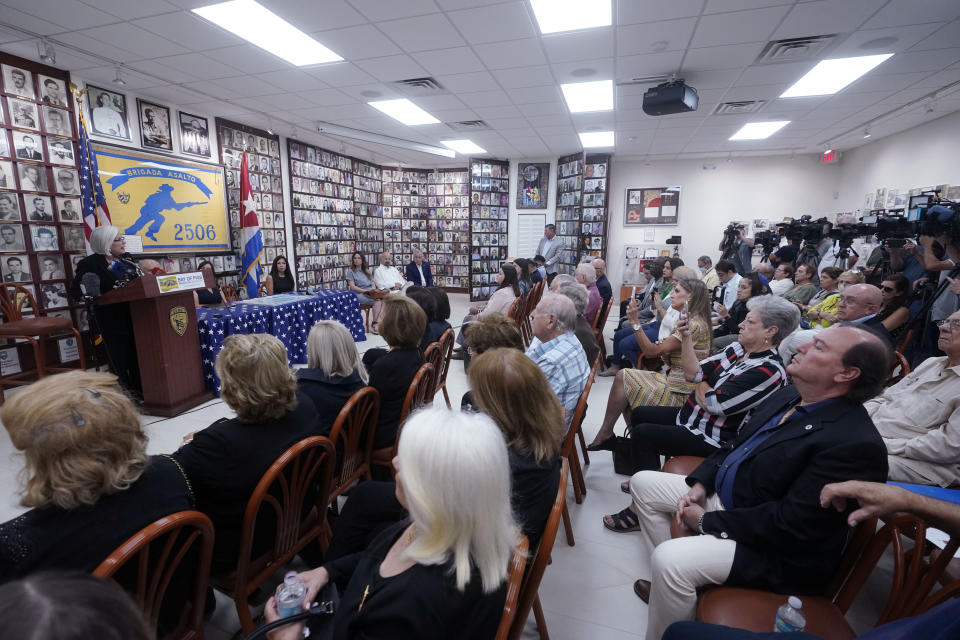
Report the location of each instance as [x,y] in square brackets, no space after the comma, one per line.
[376,91]
[584,70]
[440,102]
[130,10]
[189,31]
[357,43]
[524,77]
[96,47]
[446,61]
[892,40]
[453,115]
[507,124]
[477,81]
[476,99]
[172,94]
[134,39]
[377,10]
[906,12]
[916,61]
[939,79]
[30,23]
[655,37]
[716,79]
[785,74]
[206,87]
[341,74]
[249,58]
[68,13]
[738,27]
[103,76]
[285,101]
[833,16]
[937,38]
[647,65]
[499,111]
[422,33]
[722,6]
[244,85]
[537,109]
[309,17]
[731,56]
[631,12]
[162,72]
[554,120]
[328,97]
[591,43]
[513,53]
[509,21]
[294,80]
[199,66]
[392,68]
[526,95]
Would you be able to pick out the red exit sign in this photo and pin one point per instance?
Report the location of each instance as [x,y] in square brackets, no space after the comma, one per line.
[830,157]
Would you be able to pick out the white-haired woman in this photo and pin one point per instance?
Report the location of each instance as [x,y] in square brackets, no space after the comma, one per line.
[442,573]
[107,263]
[587,276]
[333,372]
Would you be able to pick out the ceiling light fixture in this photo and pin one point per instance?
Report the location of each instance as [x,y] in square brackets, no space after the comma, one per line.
[118,77]
[596,139]
[46,52]
[582,97]
[256,24]
[759,130]
[554,16]
[463,147]
[404,111]
[830,76]
[327,128]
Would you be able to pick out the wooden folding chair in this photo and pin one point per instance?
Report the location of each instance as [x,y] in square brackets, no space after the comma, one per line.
[529,596]
[518,562]
[420,393]
[515,312]
[352,434]
[447,341]
[569,449]
[434,356]
[262,291]
[229,294]
[156,553]
[303,472]
[599,323]
[899,370]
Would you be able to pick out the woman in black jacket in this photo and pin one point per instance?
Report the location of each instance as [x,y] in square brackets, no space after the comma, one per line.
[333,372]
[726,332]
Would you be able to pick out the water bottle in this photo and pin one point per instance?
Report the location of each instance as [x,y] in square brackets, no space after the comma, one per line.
[789,616]
[290,595]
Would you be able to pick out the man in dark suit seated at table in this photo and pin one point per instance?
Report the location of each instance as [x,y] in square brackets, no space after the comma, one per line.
[418,271]
[756,504]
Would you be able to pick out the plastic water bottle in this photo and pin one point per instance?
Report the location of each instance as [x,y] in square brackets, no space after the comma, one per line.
[789,616]
[290,595]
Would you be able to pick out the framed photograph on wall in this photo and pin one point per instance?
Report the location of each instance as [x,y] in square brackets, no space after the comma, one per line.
[154,126]
[194,134]
[108,113]
[533,182]
[652,205]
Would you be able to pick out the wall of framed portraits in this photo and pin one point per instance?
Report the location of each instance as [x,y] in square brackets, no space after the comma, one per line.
[41,230]
[489,223]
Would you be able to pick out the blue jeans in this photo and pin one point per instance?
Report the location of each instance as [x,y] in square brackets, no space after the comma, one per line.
[625,343]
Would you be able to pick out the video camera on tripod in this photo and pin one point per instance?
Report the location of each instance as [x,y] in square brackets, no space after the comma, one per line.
[731,235]
[806,229]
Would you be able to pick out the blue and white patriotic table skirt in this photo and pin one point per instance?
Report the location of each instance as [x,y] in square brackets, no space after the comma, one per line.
[288,316]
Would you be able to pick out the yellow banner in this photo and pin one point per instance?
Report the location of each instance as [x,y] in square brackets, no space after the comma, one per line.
[174,205]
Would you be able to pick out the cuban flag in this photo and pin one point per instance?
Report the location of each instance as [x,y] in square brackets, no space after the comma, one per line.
[251,242]
[93,202]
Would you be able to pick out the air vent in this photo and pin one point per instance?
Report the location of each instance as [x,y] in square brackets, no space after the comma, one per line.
[420,86]
[796,49]
[738,107]
[469,125]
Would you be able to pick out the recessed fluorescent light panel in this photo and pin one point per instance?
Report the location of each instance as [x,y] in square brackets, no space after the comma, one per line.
[555,16]
[257,24]
[596,139]
[463,147]
[759,130]
[404,111]
[830,76]
[588,96]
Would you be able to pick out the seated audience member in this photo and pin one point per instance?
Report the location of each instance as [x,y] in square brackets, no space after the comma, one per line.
[333,372]
[634,388]
[729,385]
[541,269]
[391,372]
[557,351]
[756,505]
[863,500]
[523,275]
[418,271]
[281,278]
[785,254]
[829,282]
[226,460]
[387,277]
[584,331]
[443,307]
[662,304]
[442,573]
[729,281]
[895,310]
[500,302]
[88,480]
[708,275]
[69,605]
[205,295]
[603,283]
[858,303]
[587,276]
[730,319]
[495,331]
[803,288]
[782,279]
[919,417]
[360,282]
[826,312]
[428,302]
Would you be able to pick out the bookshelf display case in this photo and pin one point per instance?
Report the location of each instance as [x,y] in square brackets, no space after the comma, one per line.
[404,213]
[569,201]
[368,210]
[595,206]
[489,213]
[448,228]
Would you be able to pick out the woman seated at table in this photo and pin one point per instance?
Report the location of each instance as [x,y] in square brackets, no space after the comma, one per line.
[726,332]
[281,278]
[502,299]
[822,309]
[207,295]
[333,372]
[392,371]
[634,388]
[226,460]
[729,385]
[442,572]
[360,281]
[88,480]
[803,288]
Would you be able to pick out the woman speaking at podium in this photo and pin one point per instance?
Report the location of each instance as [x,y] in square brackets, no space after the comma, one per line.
[104,270]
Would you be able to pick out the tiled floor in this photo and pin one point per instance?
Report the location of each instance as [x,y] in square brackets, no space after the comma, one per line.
[587,590]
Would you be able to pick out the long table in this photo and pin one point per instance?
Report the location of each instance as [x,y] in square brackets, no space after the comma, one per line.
[287,316]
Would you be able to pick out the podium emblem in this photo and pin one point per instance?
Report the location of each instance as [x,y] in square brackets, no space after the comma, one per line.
[178,319]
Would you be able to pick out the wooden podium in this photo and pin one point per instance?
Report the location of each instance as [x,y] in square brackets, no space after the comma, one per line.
[168,344]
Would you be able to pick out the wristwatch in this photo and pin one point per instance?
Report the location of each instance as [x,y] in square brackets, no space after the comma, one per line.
[700,523]
[637,326]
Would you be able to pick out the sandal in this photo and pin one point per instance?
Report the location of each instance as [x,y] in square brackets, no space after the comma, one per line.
[623,522]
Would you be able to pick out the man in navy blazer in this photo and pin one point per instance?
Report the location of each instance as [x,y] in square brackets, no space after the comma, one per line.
[753,507]
[418,271]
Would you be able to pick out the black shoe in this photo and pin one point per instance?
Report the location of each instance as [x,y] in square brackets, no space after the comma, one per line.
[642,589]
[606,444]
[458,354]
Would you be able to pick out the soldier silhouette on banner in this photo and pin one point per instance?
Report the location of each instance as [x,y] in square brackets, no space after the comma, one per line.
[156,202]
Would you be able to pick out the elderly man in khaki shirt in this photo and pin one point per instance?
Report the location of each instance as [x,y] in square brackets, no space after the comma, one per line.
[919,417]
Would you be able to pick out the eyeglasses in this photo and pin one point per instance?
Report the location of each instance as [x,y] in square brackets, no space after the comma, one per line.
[120,239]
[953,323]
[887,289]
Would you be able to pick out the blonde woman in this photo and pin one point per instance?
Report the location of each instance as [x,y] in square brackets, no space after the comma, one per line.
[88,481]
[333,372]
[440,574]
[226,460]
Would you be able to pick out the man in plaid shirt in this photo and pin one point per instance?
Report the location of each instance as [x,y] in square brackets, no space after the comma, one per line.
[557,351]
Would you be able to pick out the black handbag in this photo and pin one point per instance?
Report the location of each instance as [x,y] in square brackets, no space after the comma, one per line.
[623,458]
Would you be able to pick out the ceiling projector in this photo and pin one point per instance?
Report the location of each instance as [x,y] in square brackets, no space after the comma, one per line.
[670,97]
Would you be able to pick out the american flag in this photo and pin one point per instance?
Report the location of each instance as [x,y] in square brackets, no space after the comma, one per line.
[93,202]
[251,242]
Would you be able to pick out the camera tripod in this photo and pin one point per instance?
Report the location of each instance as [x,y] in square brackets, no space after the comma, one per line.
[809,255]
